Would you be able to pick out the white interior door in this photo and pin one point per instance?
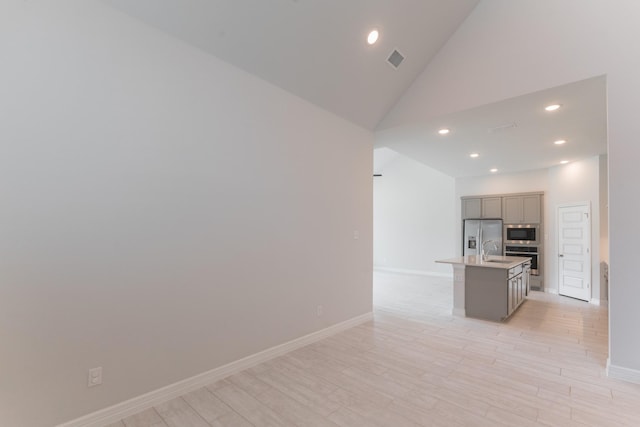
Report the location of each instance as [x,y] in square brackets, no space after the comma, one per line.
[574,251]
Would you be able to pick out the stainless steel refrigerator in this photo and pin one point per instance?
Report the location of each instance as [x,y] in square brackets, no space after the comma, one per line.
[479,232]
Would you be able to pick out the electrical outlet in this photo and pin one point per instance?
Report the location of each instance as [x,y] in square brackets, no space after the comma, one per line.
[356,235]
[320,311]
[95,377]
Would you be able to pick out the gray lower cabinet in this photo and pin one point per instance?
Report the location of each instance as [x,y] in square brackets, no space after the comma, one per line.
[526,277]
[494,293]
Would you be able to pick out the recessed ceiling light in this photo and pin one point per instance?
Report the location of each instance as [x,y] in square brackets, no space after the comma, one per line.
[564,162]
[372,38]
[494,170]
[559,142]
[444,131]
[474,155]
[552,107]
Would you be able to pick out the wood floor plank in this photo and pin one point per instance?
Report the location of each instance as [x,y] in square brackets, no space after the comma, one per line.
[212,409]
[292,410]
[178,413]
[231,419]
[345,417]
[249,383]
[249,407]
[302,390]
[147,418]
[382,415]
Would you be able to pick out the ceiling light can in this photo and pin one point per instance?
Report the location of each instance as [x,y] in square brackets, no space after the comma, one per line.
[552,107]
[372,38]
[444,131]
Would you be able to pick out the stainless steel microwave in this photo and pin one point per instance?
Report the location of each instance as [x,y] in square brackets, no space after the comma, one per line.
[522,234]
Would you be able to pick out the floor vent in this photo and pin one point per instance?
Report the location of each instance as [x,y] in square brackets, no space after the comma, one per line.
[395,59]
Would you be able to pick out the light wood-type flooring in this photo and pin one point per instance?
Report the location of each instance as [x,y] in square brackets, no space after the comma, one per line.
[416,365]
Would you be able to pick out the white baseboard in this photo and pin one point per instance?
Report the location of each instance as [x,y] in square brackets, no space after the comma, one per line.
[595,301]
[551,291]
[623,374]
[132,406]
[416,272]
[459,312]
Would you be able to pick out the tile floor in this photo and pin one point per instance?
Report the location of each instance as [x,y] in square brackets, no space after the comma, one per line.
[416,365]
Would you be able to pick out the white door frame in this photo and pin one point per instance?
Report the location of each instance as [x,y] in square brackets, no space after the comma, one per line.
[586,204]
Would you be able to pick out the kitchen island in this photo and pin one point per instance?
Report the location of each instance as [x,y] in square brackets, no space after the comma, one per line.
[490,289]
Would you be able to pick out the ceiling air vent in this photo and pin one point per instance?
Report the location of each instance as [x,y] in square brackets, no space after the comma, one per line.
[502,128]
[395,59]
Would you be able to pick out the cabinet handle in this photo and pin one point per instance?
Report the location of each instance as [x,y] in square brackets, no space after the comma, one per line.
[560,255]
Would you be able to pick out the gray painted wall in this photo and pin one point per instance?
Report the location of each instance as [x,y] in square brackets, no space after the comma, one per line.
[163,213]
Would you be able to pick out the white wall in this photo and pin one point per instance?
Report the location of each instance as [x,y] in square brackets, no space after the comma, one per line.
[508,48]
[604,227]
[413,217]
[576,182]
[163,213]
[604,207]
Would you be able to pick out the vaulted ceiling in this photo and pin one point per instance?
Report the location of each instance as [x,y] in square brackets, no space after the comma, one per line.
[317,50]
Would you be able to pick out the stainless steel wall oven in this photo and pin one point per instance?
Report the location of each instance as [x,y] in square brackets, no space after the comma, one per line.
[525,252]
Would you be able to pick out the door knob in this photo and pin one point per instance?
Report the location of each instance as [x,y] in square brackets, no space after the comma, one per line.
[560,255]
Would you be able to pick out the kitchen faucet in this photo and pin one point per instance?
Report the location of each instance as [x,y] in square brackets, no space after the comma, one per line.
[483,254]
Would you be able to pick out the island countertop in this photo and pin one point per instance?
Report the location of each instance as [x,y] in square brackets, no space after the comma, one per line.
[493,261]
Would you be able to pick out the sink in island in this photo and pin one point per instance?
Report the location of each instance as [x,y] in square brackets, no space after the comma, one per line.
[491,288]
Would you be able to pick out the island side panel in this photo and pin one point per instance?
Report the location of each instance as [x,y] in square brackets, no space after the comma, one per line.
[486,293]
[458,290]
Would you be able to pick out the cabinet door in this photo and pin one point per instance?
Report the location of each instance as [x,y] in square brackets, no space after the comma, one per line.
[531,208]
[520,293]
[512,209]
[509,296]
[471,208]
[492,207]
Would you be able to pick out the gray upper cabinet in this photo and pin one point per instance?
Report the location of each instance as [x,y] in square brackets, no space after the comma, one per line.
[492,207]
[532,205]
[471,208]
[481,207]
[513,209]
[522,209]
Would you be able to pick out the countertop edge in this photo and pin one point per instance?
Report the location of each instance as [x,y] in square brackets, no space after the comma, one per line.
[472,261]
